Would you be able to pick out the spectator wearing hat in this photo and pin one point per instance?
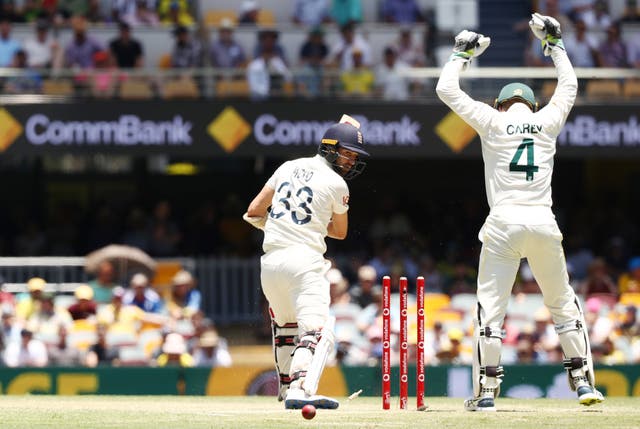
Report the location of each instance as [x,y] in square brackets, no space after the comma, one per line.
[184,299]
[366,290]
[313,54]
[344,11]
[8,45]
[104,282]
[341,53]
[28,352]
[630,281]
[127,52]
[187,52]
[268,42]
[62,354]
[175,12]
[212,351]
[226,52]
[408,50]
[28,81]
[143,296]
[359,80]
[42,49]
[30,304]
[136,13]
[311,13]
[126,314]
[268,72]
[249,10]
[85,306]
[81,48]
[49,317]
[174,352]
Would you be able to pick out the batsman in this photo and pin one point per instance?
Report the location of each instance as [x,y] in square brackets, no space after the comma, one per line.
[518,147]
[304,201]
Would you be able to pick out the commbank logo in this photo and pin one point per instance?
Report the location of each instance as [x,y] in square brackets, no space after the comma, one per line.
[229,129]
[455,132]
[10,129]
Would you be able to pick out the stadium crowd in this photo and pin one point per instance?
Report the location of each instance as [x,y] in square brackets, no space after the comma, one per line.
[351,65]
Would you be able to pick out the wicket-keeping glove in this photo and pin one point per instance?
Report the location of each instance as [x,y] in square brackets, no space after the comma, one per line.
[547,29]
[469,44]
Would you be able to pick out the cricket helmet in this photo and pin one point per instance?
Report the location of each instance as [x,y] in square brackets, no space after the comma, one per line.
[348,137]
[518,91]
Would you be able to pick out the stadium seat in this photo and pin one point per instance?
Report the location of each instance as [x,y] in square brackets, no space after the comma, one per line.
[464,302]
[150,341]
[164,62]
[57,87]
[436,301]
[603,88]
[266,17]
[135,89]
[132,356]
[524,305]
[631,88]
[121,334]
[184,87]
[213,17]
[232,88]
[82,334]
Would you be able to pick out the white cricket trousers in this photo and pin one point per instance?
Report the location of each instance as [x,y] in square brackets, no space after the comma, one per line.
[294,283]
[503,246]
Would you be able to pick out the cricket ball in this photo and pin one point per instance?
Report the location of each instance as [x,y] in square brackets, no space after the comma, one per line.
[308,411]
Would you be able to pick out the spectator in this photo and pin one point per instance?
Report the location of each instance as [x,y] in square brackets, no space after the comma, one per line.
[127,51]
[598,283]
[358,80]
[268,41]
[28,352]
[249,12]
[212,351]
[72,8]
[462,279]
[30,304]
[184,300]
[41,49]
[104,282]
[311,13]
[142,296]
[187,52]
[630,281]
[366,291]
[390,80]
[401,12]
[104,77]
[613,51]
[128,315]
[95,12]
[582,47]
[101,353]
[49,316]
[268,73]
[8,45]
[80,50]
[631,12]
[533,56]
[312,56]
[433,279]
[85,306]
[61,354]
[136,13]
[9,10]
[341,53]
[408,50]
[10,328]
[597,16]
[164,234]
[634,50]
[175,12]
[345,11]
[174,352]
[226,52]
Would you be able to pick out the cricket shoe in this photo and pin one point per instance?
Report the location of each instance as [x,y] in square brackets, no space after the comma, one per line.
[588,395]
[297,398]
[480,404]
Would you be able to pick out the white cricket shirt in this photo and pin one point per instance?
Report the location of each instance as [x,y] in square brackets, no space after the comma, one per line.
[518,146]
[307,193]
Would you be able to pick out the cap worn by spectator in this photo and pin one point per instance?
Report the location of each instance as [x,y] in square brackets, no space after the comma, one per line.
[174,344]
[455,334]
[249,6]
[367,272]
[117,292]
[35,284]
[226,24]
[84,292]
[182,277]
[139,280]
[209,339]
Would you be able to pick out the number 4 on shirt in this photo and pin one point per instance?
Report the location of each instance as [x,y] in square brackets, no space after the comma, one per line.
[529,168]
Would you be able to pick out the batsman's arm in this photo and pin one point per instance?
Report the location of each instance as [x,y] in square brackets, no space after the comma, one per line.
[256,213]
[338,226]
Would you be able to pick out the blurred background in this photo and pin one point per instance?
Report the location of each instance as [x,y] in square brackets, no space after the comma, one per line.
[150,125]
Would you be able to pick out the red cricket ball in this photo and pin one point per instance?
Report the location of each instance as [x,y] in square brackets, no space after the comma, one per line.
[308,411]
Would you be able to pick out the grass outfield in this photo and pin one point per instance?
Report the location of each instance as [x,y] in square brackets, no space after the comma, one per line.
[160,412]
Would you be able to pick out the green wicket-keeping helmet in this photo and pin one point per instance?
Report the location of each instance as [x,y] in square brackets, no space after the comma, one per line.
[518,91]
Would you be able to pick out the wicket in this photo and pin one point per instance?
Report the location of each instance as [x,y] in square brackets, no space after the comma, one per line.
[404,345]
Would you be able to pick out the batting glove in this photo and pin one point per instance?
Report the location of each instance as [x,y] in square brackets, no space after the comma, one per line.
[469,44]
[547,29]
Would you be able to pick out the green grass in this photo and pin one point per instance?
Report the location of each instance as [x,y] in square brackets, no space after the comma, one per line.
[160,412]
